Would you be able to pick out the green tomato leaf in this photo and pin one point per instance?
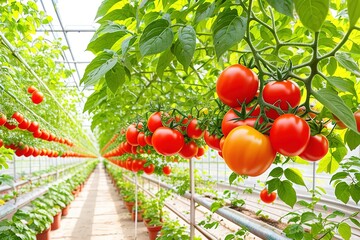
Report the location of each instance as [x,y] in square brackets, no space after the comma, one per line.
[273,184]
[127,11]
[348,62]
[344,230]
[294,231]
[353,7]
[98,67]
[104,7]
[215,206]
[352,139]
[156,38]
[295,176]
[355,192]
[343,84]
[339,175]
[184,47]
[115,77]
[355,221]
[336,105]
[106,37]
[276,172]
[312,13]
[204,11]
[287,193]
[233,176]
[308,216]
[164,61]
[285,7]
[126,44]
[228,30]
[342,192]
[331,66]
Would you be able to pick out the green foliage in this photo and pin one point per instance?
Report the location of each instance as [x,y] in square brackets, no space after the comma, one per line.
[16,230]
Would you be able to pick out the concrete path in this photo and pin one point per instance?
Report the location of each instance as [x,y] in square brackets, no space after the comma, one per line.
[98,214]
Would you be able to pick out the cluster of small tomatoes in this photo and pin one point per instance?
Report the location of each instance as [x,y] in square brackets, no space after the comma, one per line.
[259,124]
[17,120]
[36,96]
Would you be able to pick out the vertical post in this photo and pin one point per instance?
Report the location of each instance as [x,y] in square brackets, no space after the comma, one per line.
[314,179]
[136,204]
[192,201]
[30,170]
[14,160]
[57,170]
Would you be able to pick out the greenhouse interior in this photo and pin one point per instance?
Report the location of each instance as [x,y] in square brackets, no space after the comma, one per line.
[179,120]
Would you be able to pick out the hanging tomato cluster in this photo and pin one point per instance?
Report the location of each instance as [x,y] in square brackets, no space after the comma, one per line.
[36,96]
[18,120]
[257,124]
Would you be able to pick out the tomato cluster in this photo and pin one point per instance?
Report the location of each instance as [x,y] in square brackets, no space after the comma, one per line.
[245,149]
[36,96]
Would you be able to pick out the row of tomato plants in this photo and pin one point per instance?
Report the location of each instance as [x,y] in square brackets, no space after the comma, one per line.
[44,213]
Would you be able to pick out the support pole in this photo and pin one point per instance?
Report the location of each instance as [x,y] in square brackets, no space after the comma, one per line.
[136,204]
[192,201]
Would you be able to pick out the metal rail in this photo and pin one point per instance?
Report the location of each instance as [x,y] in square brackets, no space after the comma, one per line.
[13,205]
[256,227]
[179,214]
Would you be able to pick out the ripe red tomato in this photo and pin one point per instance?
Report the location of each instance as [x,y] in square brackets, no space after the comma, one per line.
[141,139]
[148,140]
[357,119]
[18,117]
[212,141]
[237,84]
[34,126]
[189,150]
[45,135]
[166,170]
[37,134]
[281,94]
[128,164]
[266,197]
[24,125]
[316,149]
[200,152]
[222,140]
[37,97]
[289,135]
[193,130]
[149,169]
[2,119]
[137,165]
[31,89]
[1,143]
[167,141]
[247,151]
[9,126]
[230,121]
[132,134]
[154,121]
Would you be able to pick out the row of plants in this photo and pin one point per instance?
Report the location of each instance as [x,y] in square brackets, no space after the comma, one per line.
[45,176]
[150,210]
[38,218]
[37,111]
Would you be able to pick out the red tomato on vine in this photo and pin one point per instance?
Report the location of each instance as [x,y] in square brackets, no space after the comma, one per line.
[212,141]
[193,130]
[281,94]
[189,150]
[167,141]
[37,97]
[31,89]
[289,135]
[166,170]
[149,169]
[266,197]
[237,84]
[316,149]
[154,121]
[3,119]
